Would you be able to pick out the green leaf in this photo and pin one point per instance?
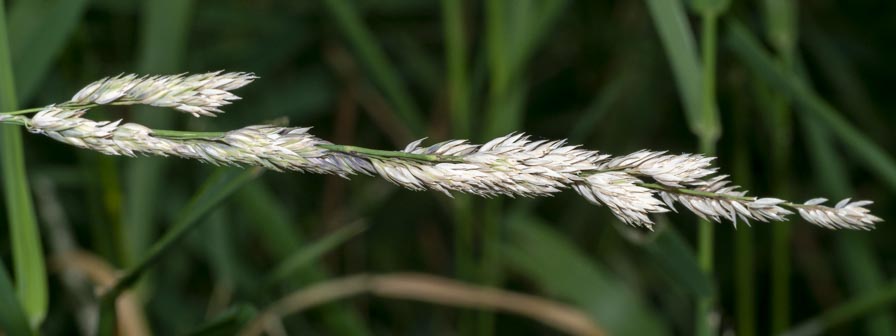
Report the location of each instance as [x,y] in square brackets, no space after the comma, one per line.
[453,23]
[676,259]
[852,309]
[758,60]
[513,34]
[710,7]
[222,183]
[375,61]
[27,254]
[278,228]
[855,253]
[675,34]
[45,30]
[304,257]
[546,258]
[12,318]
[230,322]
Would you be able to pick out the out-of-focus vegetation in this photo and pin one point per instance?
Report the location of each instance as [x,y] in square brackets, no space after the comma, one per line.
[791,96]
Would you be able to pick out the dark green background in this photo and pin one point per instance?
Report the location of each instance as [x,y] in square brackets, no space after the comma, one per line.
[374,74]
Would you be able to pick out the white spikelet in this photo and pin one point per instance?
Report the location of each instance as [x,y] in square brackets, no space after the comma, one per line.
[620,192]
[844,215]
[199,95]
[727,202]
[671,170]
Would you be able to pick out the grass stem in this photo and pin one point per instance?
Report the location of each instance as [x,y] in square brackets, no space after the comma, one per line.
[708,137]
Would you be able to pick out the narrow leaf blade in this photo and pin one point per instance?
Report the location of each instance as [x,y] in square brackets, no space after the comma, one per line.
[27,253]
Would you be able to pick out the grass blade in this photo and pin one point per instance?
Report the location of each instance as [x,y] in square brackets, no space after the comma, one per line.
[164,36]
[855,308]
[35,55]
[227,323]
[781,31]
[698,94]
[764,66]
[554,265]
[276,226]
[814,107]
[301,258]
[675,34]
[27,254]
[513,34]
[218,187]
[456,56]
[12,318]
[854,251]
[374,59]
[676,259]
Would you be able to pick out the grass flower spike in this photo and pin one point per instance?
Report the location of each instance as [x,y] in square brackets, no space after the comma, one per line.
[632,186]
[199,95]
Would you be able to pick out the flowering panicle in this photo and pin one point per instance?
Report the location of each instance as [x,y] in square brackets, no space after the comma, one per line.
[199,95]
[633,186]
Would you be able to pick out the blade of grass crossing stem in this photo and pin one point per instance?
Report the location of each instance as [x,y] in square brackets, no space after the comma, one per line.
[513,33]
[709,11]
[222,183]
[163,40]
[500,114]
[230,322]
[498,68]
[861,270]
[375,61]
[757,59]
[304,257]
[453,23]
[697,89]
[709,136]
[744,240]
[555,266]
[780,27]
[28,259]
[12,318]
[277,227]
[36,54]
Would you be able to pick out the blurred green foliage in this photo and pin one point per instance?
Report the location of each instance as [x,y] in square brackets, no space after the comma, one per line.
[616,76]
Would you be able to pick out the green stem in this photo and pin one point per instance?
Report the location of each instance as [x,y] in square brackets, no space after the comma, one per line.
[186,135]
[456,55]
[685,191]
[780,24]
[25,111]
[459,103]
[390,154]
[708,137]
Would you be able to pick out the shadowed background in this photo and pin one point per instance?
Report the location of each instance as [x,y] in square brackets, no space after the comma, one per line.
[802,91]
